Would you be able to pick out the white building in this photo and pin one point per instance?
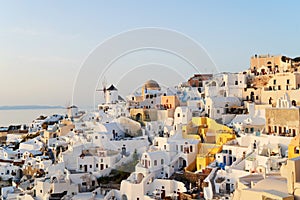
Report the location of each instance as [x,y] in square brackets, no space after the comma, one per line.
[166,156]
[226,85]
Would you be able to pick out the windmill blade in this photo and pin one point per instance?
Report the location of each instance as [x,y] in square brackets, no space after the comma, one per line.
[104,82]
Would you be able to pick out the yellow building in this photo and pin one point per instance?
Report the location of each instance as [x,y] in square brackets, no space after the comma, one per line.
[141,114]
[270,63]
[281,121]
[223,138]
[209,129]
[170,102]
[214,135]
[206,154]
[64,128]
[294,147]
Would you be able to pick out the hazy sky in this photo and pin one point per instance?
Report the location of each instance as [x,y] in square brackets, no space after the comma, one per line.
[44,43]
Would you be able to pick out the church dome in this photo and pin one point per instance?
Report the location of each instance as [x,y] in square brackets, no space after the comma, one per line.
[151,84]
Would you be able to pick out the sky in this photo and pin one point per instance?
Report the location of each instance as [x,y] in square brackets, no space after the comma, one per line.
[44,44]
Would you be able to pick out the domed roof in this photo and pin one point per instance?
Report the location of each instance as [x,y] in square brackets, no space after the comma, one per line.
[151,84]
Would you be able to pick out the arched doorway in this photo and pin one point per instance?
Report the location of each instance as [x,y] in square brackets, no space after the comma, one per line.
[124,197]
[138,117]
[139,177]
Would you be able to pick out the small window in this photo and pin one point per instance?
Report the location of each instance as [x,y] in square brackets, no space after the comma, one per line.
[236,82]
[96,137]
[256,97]
[91,166]
[41,191]
[162,161]
[296,151]
[279,88]
[178,115]
[288,81]
[155,162]
[218,111]
[274,81]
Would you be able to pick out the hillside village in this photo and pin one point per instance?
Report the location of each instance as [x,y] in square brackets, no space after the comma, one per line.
[215,136]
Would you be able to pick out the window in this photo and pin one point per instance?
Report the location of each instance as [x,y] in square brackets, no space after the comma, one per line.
[279,88]
[155,162]
[178,114]
[41,191]
[162,161]
[296,151]
[191,148]
[288,81]
[80,166]
[236,82]
[218,111]
[96,137]
[106,166]
[97,165]
[256,97]
[274,81]
[91,166]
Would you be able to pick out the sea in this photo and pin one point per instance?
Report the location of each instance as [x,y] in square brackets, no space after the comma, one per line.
[26,116]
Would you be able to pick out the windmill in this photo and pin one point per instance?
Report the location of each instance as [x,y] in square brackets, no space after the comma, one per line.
[104,83]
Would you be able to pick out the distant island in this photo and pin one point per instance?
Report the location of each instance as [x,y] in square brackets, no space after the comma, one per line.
[30,107]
